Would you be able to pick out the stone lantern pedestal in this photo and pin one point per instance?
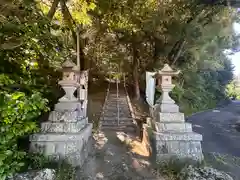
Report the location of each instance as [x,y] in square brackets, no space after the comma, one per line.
[66,134]
[174,137]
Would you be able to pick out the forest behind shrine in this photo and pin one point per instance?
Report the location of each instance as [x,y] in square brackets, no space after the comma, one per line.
[127,36]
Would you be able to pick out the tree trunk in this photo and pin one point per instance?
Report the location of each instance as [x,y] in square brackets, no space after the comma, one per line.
[135,72]
[53,9]
[70,23]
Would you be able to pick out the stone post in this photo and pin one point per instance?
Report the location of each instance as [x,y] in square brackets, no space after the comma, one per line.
[66,134]
[83,89]
[174,137]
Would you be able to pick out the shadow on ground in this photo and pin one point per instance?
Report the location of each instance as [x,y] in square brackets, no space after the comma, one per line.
[112,159]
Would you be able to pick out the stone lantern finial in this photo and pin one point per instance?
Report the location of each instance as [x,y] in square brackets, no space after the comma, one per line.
[167,68]
[164,77]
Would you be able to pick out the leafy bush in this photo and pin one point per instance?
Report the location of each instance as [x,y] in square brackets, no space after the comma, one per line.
[64,171]
[172,168]
[18,114]
[232,90]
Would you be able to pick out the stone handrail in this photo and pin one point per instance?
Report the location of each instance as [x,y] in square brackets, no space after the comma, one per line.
[104,104]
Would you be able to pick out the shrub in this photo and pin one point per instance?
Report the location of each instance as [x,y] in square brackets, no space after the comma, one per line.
[18,114]
[64,171]
[233,90]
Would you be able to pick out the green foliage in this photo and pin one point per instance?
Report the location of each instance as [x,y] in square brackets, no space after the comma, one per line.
[64,171]
[187,35]
[78,9]
[202,90]
[30,57]
[18,118]
[30,52]
[233,90]
[172,168]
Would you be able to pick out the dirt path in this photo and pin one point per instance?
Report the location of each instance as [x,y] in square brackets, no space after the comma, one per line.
[111,159]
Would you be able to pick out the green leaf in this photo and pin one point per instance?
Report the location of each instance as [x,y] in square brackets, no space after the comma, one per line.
[8,152]
[17,95]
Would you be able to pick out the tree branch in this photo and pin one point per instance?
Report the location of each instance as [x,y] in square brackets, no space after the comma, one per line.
[53,9]
[180,50]
[178,47]
[70,22]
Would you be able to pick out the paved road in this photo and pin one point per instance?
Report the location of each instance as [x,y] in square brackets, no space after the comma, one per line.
[219,132]
[218,129]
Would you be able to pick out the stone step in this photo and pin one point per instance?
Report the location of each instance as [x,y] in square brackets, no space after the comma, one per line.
[111,103]
[119,128]
[115,112]
[121,108]
[115,115]
[125,105]
[117,99]
[174,126]
[111,123]
[115,94]
[110,108]
[115,103]
[114,108]
[119,95]
[105,118]
[111,118]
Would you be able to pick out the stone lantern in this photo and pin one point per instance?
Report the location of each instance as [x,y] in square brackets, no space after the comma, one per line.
[164,79]
[174,137]
[66,134]
[69,82]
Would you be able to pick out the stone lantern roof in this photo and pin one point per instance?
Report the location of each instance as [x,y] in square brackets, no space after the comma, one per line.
[167,71]
[68,64]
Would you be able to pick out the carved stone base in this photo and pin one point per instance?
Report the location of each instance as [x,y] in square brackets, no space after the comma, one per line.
[71,147]
[178,144]
[167,108]
[173,127]
[170,117]
[175,138]
[65,116]
[63,127]
[67,106]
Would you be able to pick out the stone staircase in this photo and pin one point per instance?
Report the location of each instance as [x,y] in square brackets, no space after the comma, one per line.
[114,101]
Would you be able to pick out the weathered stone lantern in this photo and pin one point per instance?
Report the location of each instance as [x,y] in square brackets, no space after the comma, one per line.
[164,77]
[69,82]
[174,137]
[66,134]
